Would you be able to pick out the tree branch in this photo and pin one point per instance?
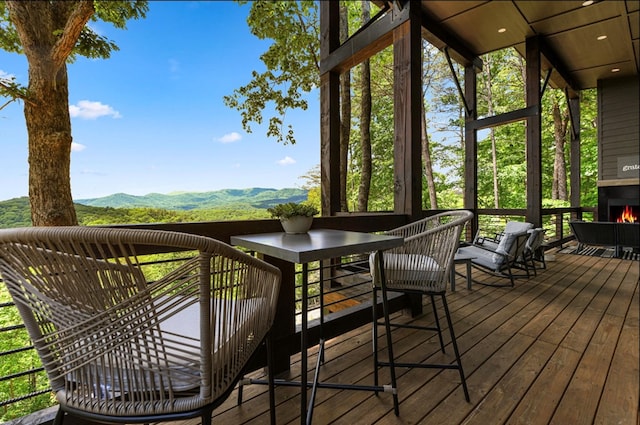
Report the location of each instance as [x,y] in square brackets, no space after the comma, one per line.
[74,24]
[13,91]
[22,14]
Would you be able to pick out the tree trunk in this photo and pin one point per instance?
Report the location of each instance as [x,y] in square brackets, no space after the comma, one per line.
[365,126]
[560,122]
[49,129]
[426,160]
[494,156]
[47,45]
[345,113]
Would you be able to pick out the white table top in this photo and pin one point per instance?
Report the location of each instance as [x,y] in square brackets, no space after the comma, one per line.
[315,245]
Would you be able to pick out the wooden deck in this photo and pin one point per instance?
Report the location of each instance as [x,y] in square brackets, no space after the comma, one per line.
[559,348]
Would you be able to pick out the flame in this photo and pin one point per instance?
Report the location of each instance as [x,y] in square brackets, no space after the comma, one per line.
[627,216]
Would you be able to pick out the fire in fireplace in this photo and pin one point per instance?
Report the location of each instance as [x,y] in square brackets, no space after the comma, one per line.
[624,214]
[614,200]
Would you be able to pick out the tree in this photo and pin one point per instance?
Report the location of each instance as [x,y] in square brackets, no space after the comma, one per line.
[432,79]
[494,159]
[560,125]
[51,34]
[365,124]
[292,61]
[345,112]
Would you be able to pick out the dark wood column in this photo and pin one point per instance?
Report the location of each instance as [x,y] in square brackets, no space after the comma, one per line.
[534,133]
[407,57]
[329,111]
[471,145]
[574,168]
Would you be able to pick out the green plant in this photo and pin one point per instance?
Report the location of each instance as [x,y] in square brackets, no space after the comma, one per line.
[291,209]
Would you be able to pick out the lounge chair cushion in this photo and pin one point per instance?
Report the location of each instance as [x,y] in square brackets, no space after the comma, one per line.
[517,227]
[481,257]
[504,247]
[535,239]
[510,227]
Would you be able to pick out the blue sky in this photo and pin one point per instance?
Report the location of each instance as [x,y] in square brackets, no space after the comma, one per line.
[152,119]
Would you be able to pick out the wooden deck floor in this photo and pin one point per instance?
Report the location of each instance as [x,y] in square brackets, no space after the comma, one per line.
[559,348]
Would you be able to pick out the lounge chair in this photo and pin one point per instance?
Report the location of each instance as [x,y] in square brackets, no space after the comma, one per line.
[533,251]
[498,256]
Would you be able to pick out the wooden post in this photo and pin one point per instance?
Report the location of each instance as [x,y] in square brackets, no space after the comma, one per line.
[471,147]
[284,324]
[407,57]
[329,111]
[534,133]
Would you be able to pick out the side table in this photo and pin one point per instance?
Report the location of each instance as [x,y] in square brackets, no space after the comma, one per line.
[461,259]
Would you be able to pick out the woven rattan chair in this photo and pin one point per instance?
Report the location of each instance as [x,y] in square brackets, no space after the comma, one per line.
[120,345]
[421,266]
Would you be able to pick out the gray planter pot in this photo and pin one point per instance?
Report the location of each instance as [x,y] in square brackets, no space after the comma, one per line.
[296,224]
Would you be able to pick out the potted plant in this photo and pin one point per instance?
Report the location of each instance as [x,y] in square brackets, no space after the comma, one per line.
[295,218]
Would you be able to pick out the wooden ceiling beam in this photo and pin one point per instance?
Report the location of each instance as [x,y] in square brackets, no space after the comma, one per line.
[502,119]
[378,35]
[366,43]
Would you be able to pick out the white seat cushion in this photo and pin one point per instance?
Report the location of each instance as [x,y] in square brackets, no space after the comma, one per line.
[481,257]
[413,268]
[177,358]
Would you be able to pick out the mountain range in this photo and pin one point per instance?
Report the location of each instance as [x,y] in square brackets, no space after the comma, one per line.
[226,198]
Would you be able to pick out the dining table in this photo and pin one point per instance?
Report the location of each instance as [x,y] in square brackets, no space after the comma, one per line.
[318,245]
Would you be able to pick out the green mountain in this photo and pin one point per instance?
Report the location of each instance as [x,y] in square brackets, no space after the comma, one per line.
[261,198]
[121,208]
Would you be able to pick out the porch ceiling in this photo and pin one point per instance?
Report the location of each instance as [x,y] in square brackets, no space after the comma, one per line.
[567,28]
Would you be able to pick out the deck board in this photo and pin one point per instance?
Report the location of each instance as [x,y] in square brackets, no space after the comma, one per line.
[559,348]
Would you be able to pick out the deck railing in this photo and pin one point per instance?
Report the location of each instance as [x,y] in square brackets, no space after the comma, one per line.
[345,305]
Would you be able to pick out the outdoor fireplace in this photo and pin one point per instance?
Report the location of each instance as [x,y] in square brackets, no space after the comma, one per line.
[619,204]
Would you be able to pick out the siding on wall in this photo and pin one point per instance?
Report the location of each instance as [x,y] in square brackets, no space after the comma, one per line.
[618,124]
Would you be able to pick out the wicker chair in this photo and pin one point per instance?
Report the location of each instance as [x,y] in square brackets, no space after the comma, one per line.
[421,266]
[121,346]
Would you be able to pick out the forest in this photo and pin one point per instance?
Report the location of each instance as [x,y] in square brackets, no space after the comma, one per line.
[16,213]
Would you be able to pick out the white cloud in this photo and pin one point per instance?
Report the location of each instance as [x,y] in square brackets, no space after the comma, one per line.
[229,138]
[87,171]
[89,110]
[77,147]
[6,75]
[287,160]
